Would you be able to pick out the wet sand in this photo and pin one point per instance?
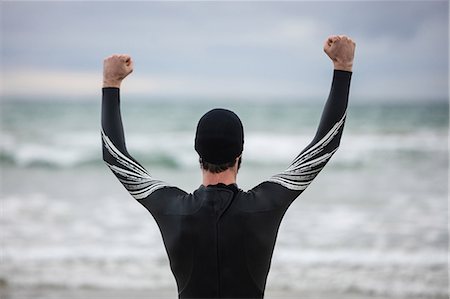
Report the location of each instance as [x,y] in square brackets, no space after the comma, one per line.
[86,293]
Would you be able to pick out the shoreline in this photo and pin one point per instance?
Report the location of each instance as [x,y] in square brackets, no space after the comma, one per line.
[44,292]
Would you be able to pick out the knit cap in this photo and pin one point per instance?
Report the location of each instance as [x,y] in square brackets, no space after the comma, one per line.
[219,138]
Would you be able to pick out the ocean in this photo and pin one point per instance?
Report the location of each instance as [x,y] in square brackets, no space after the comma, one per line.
[373,224]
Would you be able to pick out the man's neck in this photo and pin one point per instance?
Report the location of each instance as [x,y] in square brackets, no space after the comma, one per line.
[226,177]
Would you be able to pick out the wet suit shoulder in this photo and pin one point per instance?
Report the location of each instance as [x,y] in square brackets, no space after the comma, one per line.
[133,176]
[285,187]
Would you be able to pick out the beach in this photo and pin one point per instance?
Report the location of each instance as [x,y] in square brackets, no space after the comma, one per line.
[49,293]
[373,224]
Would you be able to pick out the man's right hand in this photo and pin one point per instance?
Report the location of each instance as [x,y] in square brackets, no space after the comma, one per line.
[341,50]
[115,69]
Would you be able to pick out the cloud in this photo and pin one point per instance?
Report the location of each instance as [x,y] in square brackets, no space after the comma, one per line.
[35,84]
[237,49]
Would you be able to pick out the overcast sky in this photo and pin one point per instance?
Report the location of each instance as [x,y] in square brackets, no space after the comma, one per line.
[239,50]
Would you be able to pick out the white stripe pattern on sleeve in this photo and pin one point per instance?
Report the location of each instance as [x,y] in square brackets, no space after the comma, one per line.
[308,164]
[133,176]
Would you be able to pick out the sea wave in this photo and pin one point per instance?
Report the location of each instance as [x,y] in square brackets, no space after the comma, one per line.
[175,150]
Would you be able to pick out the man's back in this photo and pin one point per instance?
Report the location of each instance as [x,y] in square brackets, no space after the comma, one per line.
[220,239]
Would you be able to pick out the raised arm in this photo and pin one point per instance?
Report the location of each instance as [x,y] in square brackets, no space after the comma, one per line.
[130,173]
[313,158]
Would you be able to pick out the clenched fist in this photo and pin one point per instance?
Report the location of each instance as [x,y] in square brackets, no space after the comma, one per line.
[341,50]
[115,69]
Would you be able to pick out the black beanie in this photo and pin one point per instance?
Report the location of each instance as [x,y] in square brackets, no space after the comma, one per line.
[220,137]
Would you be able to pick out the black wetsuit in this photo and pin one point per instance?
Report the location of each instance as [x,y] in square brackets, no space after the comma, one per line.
[220,239]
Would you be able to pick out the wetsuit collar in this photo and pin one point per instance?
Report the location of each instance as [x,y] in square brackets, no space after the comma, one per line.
[231,187]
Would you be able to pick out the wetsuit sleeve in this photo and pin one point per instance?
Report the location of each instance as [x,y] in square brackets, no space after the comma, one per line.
[130,173]
[305,167]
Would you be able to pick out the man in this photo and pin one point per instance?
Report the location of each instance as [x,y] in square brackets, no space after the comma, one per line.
[220,239]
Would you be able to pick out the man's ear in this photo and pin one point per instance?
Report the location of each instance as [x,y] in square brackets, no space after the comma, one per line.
[238,162]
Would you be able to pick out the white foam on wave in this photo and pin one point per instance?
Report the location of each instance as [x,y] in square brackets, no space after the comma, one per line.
[367,257]
[70,243]
[419,274]
[29,154]
[73,148]
[420,141]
